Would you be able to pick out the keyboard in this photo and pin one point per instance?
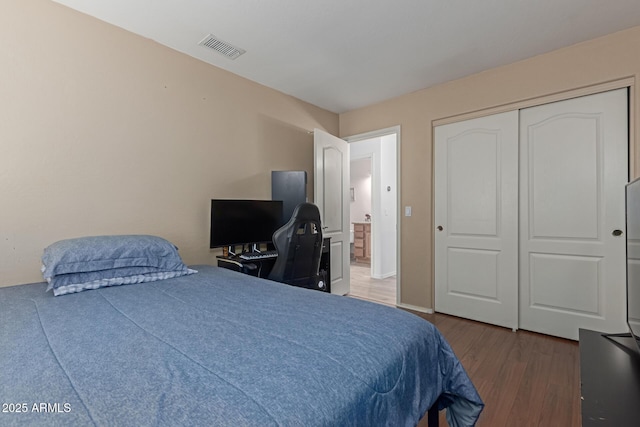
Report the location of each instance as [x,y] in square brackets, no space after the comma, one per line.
[259,255]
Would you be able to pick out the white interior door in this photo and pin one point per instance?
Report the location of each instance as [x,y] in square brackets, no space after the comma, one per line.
[331,195]
[476,218]
[573,169]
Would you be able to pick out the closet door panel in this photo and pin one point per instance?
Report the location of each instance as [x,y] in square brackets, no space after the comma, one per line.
[573,168]
[564,199]
[476,250]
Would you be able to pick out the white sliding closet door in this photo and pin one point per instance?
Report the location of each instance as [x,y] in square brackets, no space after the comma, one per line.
[529,206]
[573,169]
[476,237]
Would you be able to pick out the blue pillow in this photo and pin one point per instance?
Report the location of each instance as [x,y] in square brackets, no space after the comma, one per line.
[87,254]
[90,276]
[74,265]
[69,285]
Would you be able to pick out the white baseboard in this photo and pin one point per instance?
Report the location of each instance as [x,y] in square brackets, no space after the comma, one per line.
[383,276]
[416,308]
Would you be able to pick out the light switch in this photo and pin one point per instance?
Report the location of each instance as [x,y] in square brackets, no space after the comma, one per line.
[407,211]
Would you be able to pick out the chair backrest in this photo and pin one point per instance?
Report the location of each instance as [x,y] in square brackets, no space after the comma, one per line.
[299,246]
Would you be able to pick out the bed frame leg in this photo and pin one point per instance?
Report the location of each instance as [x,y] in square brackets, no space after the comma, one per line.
[432,416]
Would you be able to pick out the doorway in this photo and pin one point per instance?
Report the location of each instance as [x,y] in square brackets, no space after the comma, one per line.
[374,192]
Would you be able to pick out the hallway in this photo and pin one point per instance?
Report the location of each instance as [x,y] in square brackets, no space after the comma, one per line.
[382,291]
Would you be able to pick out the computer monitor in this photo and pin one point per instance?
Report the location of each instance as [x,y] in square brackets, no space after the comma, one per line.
[239,222]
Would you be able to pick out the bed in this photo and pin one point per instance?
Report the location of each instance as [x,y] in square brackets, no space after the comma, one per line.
[221,348]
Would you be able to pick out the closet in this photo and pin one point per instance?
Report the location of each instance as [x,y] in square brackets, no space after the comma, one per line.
[528,205]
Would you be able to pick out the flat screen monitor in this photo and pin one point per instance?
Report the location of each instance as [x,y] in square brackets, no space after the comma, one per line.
[238,222]
[633,258]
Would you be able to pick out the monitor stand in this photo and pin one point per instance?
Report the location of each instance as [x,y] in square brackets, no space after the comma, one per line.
[229,251]
[609,381]
[622,335]
[625,342]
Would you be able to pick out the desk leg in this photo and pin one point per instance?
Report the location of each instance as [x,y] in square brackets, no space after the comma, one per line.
[433,419]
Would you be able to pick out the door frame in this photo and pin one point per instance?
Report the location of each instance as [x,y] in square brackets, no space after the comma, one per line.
[627,81]
[377,134]
[634,152]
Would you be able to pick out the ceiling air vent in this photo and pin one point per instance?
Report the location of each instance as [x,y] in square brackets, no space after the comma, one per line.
[214,43]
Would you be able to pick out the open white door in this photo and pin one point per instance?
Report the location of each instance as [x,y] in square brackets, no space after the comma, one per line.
[331,195]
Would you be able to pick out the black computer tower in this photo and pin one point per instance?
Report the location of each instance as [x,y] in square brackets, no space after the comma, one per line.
[291,188]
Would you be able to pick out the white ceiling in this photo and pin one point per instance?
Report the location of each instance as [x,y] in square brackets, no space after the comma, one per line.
[345,54]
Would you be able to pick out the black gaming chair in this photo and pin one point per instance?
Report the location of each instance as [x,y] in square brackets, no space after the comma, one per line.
[299,246]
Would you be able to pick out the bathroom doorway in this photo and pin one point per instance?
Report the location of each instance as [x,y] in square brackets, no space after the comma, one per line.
[373,222]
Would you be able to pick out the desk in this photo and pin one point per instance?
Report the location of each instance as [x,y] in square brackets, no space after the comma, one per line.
[610,380]
[253,267]
[262,267]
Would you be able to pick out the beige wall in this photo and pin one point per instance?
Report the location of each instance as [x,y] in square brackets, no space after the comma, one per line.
[105,132]
[601,60]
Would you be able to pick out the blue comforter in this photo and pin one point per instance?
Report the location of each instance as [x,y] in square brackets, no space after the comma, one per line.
[220,348]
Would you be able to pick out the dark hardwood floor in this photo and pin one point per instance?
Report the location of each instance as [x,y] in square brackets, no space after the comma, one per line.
[524,378]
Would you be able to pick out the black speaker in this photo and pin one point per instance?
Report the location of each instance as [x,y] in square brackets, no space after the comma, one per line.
[291,188]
